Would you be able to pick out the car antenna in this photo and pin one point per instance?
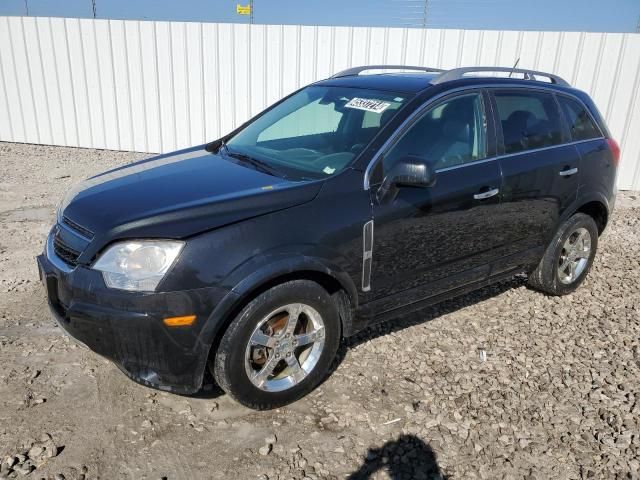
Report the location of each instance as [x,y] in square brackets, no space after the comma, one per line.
[514,67]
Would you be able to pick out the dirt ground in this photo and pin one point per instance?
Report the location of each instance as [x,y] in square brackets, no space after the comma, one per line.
[502,383]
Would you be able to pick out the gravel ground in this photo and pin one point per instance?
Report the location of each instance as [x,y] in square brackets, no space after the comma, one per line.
[502,383]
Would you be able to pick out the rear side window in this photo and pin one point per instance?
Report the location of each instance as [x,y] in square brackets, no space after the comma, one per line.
[529,120]
[580,123]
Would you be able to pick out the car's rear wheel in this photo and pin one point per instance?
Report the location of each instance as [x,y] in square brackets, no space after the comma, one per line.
[568,258]
[280,346]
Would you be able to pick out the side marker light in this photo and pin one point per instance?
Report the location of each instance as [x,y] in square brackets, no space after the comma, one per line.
[179,321]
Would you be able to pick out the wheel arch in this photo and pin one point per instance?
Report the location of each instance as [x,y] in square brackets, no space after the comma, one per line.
[598,211]
[282,268]
[346,297]
[335,281]
[594,204]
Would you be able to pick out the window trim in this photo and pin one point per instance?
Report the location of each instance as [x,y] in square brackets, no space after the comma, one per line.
[422,110]
[586,109]
[486,111]
[541,149]
[565,135]
[515,154]
[488,88]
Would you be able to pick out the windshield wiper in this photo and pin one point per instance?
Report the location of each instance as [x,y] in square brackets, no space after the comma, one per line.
[259,165]
[223,147]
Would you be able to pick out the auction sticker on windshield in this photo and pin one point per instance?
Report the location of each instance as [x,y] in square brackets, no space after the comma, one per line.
[368,105]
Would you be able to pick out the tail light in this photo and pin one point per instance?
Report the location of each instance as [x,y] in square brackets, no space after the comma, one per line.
[615,150]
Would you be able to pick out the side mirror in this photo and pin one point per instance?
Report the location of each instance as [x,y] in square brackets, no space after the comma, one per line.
[409,171]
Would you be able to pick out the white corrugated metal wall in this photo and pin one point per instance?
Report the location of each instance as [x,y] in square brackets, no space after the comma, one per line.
[159,86]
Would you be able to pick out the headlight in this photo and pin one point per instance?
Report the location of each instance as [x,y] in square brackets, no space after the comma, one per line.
[137,265]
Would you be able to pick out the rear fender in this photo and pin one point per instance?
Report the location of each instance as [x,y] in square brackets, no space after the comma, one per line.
[585,198]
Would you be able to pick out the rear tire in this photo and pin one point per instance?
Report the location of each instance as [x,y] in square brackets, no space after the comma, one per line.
[568,258]
[279,347]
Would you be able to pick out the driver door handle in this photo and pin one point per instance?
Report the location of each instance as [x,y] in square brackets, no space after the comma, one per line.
[567,172]
[487,194]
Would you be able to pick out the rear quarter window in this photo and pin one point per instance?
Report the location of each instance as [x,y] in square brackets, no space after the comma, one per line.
[529,120]
[578,119]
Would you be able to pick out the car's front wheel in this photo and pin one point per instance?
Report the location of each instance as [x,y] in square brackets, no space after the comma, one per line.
[568,258]
[280,346]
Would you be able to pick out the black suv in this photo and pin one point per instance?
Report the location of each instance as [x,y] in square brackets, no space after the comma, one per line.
[353,200]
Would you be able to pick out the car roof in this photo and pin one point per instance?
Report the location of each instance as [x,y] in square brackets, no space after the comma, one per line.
[393,82]
[416,81]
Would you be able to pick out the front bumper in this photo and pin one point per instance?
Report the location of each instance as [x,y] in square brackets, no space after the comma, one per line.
[128,329]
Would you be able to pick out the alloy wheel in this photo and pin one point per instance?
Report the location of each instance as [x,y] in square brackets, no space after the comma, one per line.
[285,347]
[574,257]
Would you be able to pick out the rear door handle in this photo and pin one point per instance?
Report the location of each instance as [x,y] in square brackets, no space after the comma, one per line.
[487,194]
[568,172]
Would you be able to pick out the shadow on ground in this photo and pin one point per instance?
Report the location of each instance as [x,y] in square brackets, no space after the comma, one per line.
[405,457]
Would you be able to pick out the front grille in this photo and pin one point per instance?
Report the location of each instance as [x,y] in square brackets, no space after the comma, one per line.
[88,234]
[67,254]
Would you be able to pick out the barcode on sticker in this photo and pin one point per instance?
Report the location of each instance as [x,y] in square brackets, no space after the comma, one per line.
[368,105]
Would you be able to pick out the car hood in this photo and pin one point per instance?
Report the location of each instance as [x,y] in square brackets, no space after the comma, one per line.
[178,195]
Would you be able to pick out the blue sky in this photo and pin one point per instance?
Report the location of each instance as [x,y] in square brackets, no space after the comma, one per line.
[587,15]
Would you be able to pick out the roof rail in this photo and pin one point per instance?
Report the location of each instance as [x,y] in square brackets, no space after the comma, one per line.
[357,70]
[458,73]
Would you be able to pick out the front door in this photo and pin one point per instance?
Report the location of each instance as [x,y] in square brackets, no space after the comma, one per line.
[431,240]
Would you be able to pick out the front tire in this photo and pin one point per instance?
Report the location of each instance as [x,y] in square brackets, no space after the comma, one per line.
[568,258]
[280,346]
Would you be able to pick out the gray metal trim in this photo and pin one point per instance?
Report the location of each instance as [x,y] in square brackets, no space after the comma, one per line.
[458,73]
[357,70]
[542,149]
[367,255]
[427,104]
[507,155]
[477,162]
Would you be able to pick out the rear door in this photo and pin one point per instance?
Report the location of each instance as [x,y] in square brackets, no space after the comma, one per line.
[540,168]
[596,172]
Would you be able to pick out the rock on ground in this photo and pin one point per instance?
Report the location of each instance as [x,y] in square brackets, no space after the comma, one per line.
[501,383]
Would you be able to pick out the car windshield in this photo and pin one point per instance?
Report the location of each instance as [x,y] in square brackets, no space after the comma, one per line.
[315,133]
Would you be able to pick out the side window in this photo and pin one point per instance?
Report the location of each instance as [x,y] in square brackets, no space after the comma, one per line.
[578,119]
[449,134]
[313,118]
[529,120]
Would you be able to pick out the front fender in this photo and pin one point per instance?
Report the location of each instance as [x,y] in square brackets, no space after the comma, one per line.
[248,279]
